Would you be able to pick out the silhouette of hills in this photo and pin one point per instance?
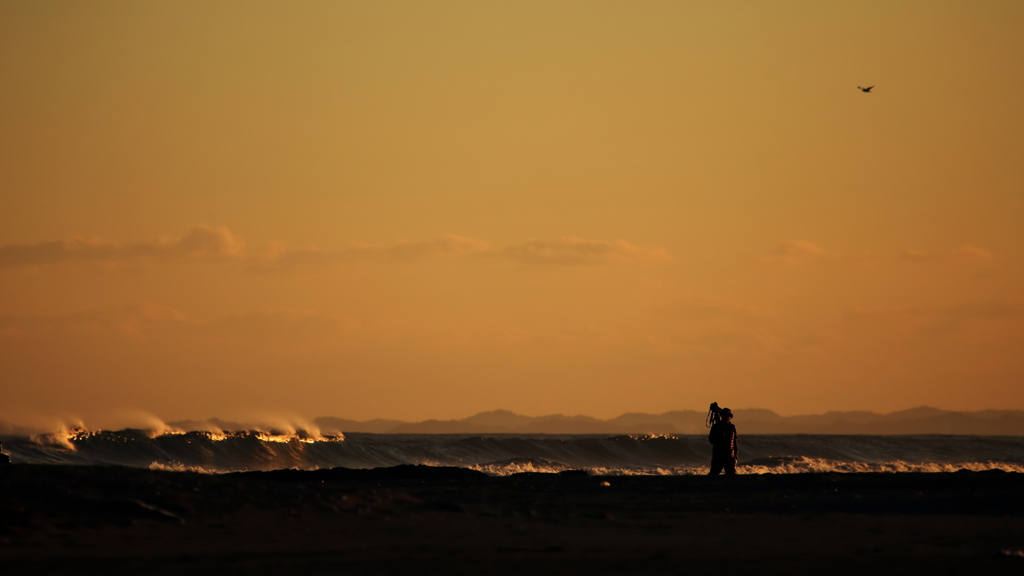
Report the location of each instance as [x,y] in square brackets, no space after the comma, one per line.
[921,420]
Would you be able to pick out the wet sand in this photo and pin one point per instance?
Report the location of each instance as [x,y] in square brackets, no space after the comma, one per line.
[418,520]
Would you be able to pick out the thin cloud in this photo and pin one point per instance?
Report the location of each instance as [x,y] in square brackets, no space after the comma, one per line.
[564,251]
[580,252]
[794,253]
[206,242]
[199,242]
[970,252]
[965,253]
[450,246]
[913,254]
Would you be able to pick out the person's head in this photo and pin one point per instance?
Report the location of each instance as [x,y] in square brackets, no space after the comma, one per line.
[726,414]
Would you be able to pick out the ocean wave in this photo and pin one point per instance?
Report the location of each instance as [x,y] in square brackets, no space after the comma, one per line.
[222,451]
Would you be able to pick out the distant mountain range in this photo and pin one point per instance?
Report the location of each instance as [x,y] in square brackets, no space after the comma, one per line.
[921,420]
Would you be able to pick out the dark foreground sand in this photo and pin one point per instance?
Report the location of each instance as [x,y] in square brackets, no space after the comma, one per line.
[417,520]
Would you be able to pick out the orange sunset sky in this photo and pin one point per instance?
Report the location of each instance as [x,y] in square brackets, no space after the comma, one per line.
[429,209]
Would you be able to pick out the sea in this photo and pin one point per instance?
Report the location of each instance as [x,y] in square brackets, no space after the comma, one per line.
[217,452]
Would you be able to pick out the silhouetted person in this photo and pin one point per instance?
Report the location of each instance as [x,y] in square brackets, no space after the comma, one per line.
[724,449]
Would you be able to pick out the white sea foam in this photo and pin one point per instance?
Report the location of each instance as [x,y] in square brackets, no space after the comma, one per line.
[63,436]
[805,464]
[155,426]
[179,467]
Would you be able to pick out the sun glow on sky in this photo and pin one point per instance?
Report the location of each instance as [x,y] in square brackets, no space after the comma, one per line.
[429,209]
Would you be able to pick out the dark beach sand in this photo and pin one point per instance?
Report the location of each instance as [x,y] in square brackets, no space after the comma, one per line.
[417,520]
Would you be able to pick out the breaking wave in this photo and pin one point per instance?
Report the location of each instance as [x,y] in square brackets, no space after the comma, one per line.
[503,454]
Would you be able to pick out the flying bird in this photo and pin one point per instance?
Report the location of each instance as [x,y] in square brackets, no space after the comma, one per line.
[866,90]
